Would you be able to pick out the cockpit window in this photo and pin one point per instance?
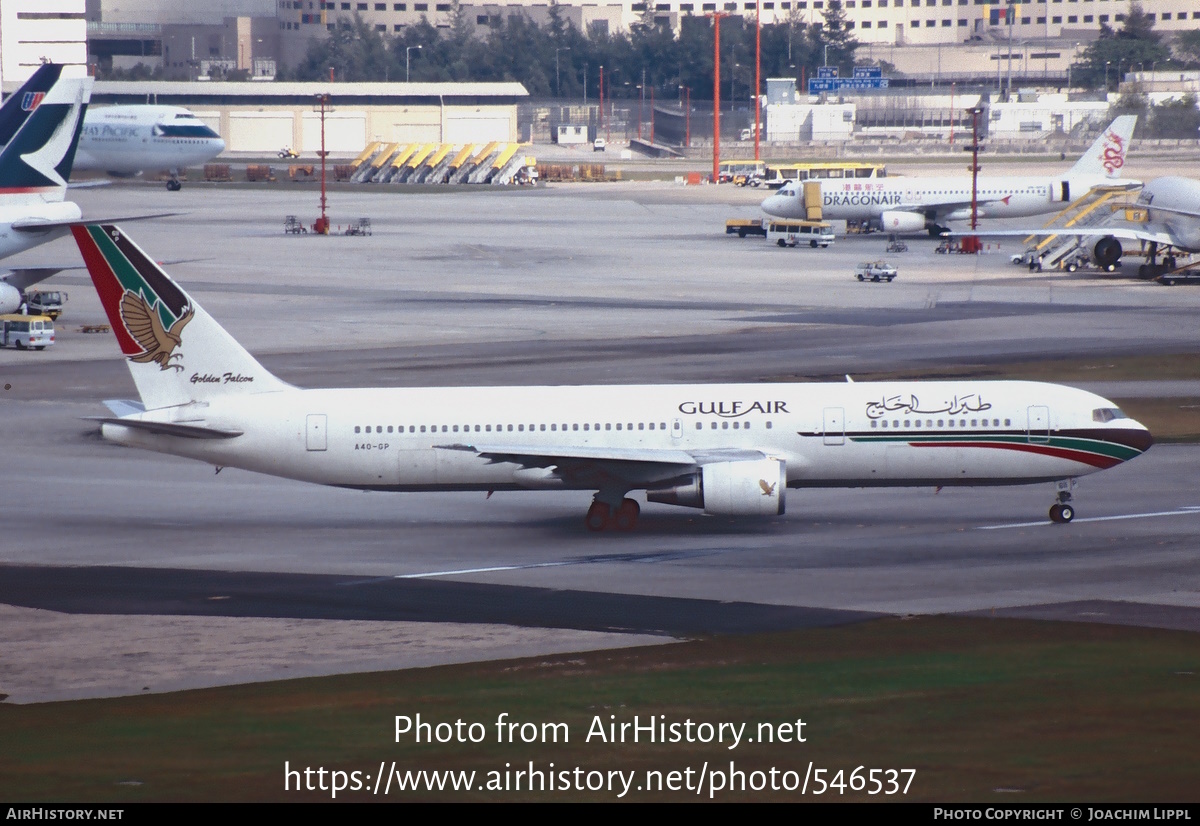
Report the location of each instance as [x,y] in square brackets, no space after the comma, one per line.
[1107,414]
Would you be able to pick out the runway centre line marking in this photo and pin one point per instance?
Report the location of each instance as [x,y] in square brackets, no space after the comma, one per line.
[1187,510]
[650,557]
[483,570]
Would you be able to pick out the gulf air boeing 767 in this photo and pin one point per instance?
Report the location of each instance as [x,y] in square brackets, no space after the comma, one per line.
[729,449]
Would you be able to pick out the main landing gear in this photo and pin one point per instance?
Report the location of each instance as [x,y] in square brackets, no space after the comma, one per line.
[173,183]
[1063,511]
[602,516]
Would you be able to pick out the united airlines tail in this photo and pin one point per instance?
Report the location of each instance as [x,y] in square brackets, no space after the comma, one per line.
[37,161]
[1106,156]
[176,352]
[20,104]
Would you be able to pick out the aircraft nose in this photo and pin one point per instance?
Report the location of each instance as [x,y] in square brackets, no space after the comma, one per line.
[1138,438]
[770,205]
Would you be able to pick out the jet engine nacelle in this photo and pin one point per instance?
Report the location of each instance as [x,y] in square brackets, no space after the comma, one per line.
[10,298]
[1107,252]
[747,488]
[902,221]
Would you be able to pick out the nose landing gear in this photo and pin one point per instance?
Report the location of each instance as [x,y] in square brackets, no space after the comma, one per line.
[1062,511]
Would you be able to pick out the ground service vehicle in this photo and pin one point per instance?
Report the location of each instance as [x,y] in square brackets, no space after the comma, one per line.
[26,332]
[45,302]
[875,271]
[741,227]
[791,233]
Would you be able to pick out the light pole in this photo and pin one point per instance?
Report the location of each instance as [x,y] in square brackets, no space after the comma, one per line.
[407,63]
[826,63]
[1107,63]
[557,83]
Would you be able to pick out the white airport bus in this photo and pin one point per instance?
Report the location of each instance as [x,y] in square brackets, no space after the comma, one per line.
[791,233]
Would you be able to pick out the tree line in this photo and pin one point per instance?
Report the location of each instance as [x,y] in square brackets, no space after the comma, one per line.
[557,60]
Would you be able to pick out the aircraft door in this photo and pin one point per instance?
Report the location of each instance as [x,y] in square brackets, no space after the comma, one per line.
[315,432]
[1039,423]
[835,426]
[676,429]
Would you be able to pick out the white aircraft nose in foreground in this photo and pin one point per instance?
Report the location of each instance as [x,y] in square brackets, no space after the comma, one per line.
[913,204]
[730,449]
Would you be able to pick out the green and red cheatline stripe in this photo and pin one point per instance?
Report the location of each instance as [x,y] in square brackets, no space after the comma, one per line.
[1102,451]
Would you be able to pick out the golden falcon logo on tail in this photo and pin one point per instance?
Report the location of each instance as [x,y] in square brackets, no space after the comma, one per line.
[147,329]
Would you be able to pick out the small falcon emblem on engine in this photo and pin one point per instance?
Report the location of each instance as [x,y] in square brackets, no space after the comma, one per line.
[156,341]
[768,490]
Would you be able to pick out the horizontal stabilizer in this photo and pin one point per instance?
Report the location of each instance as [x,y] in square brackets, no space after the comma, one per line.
[37,225]
[184,431]
[124,407]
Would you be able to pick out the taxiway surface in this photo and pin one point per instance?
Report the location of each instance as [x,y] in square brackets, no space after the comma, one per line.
[612,284]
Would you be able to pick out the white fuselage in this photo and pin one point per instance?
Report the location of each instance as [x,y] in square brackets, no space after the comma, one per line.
[853,434]
[1175,193]
[936,199]
[126,140]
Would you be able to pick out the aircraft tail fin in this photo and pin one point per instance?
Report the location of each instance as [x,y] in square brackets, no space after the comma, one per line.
[175,350]
[20,104]
[37,161]
[1107,154]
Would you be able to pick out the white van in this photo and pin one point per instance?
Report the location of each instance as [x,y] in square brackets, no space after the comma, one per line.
[26,331]
[791,233]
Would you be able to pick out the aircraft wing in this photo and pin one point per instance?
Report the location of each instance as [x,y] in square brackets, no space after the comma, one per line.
[600,464]
[26,277]
[39,225]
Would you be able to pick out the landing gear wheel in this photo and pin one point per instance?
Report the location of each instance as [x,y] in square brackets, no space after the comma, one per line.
[174,186]
[1062,513]
[625,517]
[597,516]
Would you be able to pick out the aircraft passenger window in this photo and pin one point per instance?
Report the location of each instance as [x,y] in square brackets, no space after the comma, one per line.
[543,427]
[917,423]
[554,427]
[629,426]
[950,423]
[642,426]
[941,423]
[618,425]
[974,422]
[735,425]
[699,425]
[661,426]
[607,426]
[489,428]
[884,423]
[456,428]
[874,424]
[768,425]
[1008,422]
[521,428]
[597,426]
[995,422]
[389,428]
[714,425]
[724,425]
[576,427]
[745,425]
[445,428]
[357,429]
[895,422]
[962,422]
[585,426]
[476,428]
[907,423]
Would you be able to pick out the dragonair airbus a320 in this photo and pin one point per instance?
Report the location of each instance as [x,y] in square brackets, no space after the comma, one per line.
[913,204]
[730,449]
